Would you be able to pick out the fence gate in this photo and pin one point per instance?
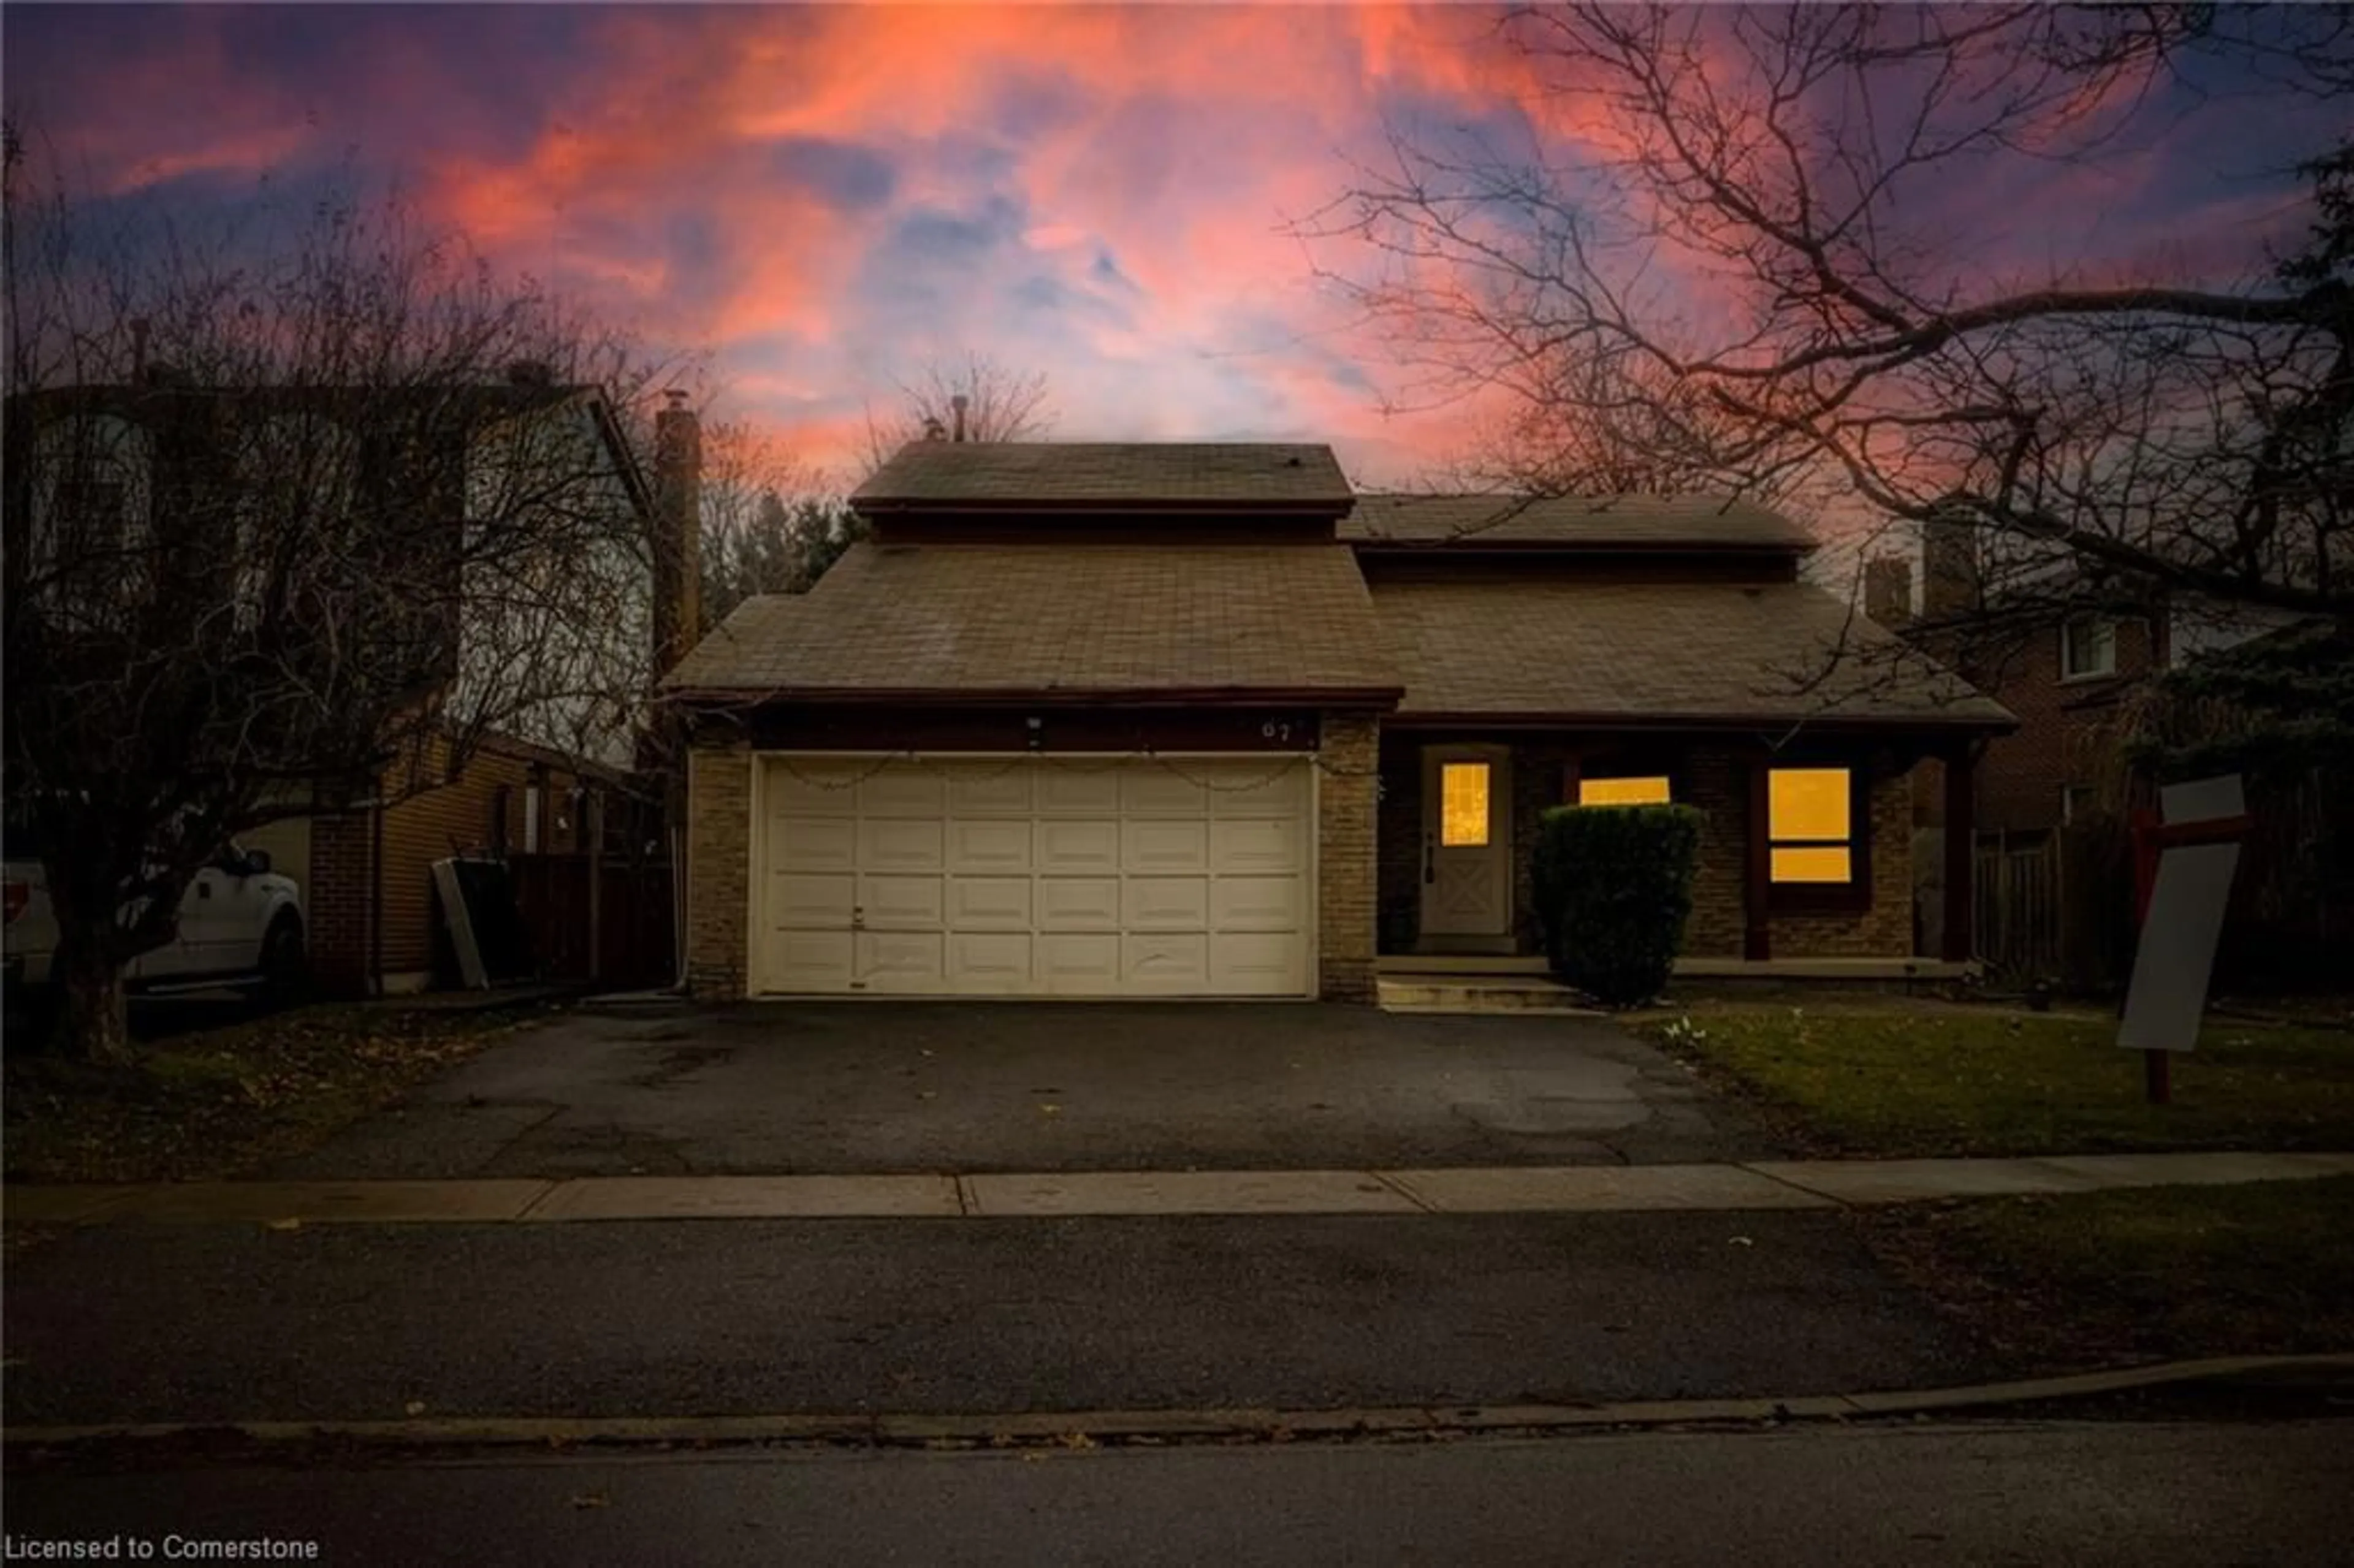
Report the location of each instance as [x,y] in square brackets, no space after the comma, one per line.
[2017,898]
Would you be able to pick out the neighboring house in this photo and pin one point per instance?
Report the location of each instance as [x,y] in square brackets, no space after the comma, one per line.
[2065,676]
[571,774]
[1180,720]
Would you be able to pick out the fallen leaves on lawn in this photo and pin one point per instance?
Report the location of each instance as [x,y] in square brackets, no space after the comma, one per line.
[289,1223]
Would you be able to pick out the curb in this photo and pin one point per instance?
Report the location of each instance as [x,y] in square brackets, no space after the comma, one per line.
[1086,1429]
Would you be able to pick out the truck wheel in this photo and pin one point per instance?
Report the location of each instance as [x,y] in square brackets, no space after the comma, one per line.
[285,970]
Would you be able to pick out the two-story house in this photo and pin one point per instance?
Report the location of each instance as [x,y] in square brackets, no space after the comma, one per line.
[1109,720]
[202,507]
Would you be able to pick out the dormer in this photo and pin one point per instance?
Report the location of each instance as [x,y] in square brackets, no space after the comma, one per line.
[1082,492]
[1402,539]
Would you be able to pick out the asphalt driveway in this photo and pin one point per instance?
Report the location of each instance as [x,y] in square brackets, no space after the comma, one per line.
[889,1087]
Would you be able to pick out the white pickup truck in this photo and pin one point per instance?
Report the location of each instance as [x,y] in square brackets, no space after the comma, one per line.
[240,925]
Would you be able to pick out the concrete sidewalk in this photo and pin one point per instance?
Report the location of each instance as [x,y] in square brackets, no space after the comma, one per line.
[1583,1188]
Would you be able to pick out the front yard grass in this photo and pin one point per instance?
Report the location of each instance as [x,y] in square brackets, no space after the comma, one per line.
[225,1100]
[2096,1278]
[1857,1078]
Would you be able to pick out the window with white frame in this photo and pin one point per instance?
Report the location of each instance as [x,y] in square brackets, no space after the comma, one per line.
[2088,647]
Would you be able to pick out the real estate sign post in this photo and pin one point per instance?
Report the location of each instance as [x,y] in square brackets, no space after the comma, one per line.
[2182,918]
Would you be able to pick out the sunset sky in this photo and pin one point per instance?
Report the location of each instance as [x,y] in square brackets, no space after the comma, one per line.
[825,197]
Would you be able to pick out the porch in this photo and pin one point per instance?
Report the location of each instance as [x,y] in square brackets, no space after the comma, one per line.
[1806,861]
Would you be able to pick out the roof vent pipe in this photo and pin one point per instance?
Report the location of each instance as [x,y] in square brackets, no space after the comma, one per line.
[959,404]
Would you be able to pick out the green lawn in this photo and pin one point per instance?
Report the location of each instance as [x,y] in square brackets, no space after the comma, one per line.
[2096,1278]
[223,1100]
[1899,1078]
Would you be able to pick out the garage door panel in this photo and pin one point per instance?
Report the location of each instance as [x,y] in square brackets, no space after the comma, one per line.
[1148,848]
[1072,964]
[1000,846]
[1154,791]
[1165,904]
[1169,964]
[892,845]
[1246,964]
[990,963]
[1077,846]
[989,789]
[1043,878]
[1256,903]
[903,789]
[813,844]
[1251,790]
[888,902]
[808,961]
[1260,847]
[989,903]
[908,961]
[1077,902]
[812,787]
[1078,791]
[811,901]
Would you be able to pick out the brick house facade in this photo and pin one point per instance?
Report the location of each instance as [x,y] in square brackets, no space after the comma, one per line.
[885,770]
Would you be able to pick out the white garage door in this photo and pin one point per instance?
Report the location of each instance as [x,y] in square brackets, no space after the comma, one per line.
[1035,877]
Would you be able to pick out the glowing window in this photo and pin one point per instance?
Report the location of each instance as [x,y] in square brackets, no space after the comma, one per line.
[1463,804]
[1622,792]
[1810,824]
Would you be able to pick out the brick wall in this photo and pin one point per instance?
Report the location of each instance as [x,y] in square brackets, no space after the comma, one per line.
[2063,738]
[1716,781]
[1347,863]
[718,861]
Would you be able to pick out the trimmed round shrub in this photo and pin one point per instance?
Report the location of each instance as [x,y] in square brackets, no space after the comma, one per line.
[1613,889]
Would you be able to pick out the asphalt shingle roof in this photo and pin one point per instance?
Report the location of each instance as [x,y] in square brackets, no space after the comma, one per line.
[1120,473]
[1603,650]
[970,619]
[1598,521]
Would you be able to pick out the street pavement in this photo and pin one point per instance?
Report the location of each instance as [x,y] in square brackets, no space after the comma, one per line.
[192,1323]
[2086,1495]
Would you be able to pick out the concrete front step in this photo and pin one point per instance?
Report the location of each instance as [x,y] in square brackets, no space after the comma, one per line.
[1467,994]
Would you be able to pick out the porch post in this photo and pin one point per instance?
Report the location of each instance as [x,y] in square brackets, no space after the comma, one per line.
[1758,941]
[1961,834]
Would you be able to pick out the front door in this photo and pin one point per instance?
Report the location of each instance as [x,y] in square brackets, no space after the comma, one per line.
[1467,865]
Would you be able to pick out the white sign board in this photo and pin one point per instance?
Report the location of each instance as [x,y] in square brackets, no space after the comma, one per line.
[2168,995]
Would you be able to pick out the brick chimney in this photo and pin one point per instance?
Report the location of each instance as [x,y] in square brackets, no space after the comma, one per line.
[1951,581]
[678,532]
[1888,591]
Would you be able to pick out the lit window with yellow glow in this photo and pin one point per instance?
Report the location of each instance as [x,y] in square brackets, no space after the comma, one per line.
[1810,824]
[1463,804]
[1622,792]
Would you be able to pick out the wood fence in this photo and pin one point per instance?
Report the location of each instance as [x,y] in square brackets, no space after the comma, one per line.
[635,925]
[2059,906]
[2055,906]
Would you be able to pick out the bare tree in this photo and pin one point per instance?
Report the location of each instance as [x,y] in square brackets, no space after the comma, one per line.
[295,517]
[769,524]
[975,400]
[1748,278]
